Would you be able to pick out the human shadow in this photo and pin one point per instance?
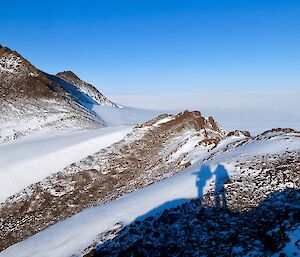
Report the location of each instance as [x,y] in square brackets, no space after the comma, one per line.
[221,178]
[202,178]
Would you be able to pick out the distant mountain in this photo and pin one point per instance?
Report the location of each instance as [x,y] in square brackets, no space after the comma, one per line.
[32,100]
[85,88]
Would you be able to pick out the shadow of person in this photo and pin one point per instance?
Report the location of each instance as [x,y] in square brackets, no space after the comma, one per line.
[202,177]
[220,192]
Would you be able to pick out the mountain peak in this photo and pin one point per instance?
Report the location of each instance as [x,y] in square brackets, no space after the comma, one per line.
[11,62]
[68,74]
[4,49]
[88,89]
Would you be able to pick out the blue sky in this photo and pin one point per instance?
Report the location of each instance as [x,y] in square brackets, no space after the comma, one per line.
[161,46]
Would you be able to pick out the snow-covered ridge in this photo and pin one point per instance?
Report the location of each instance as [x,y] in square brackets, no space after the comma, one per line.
[250,181]
[33,101]
[145,156]
[128,172]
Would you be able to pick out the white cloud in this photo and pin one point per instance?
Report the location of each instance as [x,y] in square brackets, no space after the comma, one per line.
[253,111]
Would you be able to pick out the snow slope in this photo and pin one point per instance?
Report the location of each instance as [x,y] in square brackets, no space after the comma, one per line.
[113,116]
[63,238]
[31,101]
[143,157]
[31,159]
[76,233]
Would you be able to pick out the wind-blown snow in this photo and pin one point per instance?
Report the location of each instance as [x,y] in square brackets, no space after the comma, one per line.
[273,146]
[76,233]
[31,159]
[114,116]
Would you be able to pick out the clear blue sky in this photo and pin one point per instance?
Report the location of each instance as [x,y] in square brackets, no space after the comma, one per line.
[161,46]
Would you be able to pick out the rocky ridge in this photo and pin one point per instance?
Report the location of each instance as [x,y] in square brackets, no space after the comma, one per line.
[147,155]
[261,209]
[86,88]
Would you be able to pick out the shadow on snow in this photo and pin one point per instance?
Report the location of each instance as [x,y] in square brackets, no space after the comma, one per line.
[184,227]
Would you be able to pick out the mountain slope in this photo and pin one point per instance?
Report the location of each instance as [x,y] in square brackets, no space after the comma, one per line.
[193,230]
[32,100]
[21,160]
[173,186]
[148,154]
[257,168]
[86,88]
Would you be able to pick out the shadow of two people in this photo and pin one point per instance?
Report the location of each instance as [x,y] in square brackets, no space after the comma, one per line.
[202,178]
[221,177]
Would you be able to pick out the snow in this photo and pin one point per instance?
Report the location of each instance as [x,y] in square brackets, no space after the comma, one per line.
[251,111]
[74,234]
[13,64]
[10,63]
[162,121]
[261,147]
[62,239]
[28,116]
[187,147]
[114,116]
[9,127]
[292,248]
[237,249]
[31,159]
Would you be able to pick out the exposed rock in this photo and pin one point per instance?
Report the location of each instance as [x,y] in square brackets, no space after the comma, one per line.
[260,209]
[257,222]
[238,133]
[193,230]
[86,88]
